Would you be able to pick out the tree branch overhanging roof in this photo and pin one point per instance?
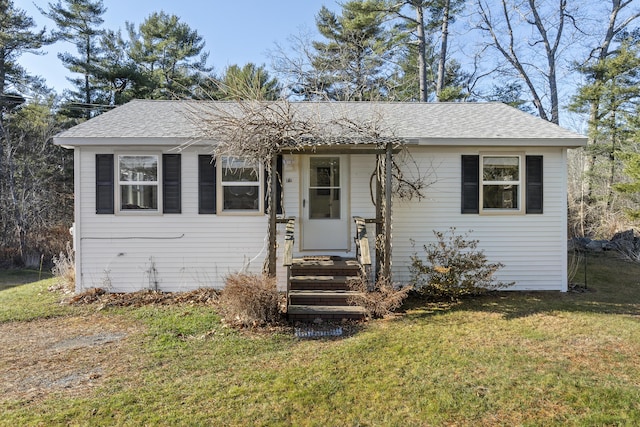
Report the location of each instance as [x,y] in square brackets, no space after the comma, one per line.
[147,122]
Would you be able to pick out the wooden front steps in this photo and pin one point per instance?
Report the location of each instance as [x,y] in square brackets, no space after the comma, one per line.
[318,289]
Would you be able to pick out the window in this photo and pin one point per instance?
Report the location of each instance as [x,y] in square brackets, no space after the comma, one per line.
[502,183]
[208,185]
[240,185]
[138,177]
[324,188]
[135,179]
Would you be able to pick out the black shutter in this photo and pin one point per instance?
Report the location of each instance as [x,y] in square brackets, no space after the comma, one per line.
[206,184]
[171,191]
[278,187]
[534,191]
[104,183]
[470,184]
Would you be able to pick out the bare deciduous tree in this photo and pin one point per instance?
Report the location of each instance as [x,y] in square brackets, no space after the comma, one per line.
[260,130]
[508,24]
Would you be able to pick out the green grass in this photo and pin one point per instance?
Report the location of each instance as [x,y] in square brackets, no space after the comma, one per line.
[504,359]
[25,302]
[16,277]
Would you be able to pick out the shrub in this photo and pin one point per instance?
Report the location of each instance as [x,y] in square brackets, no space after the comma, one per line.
[454,268]
[380,301]
[250,300]
[64,268]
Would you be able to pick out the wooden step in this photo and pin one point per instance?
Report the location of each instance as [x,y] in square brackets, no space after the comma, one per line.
[321,297]
[325,267]
[316,282]
[309,313]
[318,289]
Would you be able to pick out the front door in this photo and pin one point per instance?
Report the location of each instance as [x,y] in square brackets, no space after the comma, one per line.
[325,206]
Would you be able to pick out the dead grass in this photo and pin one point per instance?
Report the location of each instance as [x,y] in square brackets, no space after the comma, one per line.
[381,301]
[67,356]
[250,300]
[64,268]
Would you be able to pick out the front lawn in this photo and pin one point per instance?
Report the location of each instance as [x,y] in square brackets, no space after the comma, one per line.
[505,359]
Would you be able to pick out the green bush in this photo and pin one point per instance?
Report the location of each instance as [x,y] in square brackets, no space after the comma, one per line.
[453,267]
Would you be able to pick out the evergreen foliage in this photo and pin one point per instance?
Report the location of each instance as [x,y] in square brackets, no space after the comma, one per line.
[351,61]
[169,56]
[79,22]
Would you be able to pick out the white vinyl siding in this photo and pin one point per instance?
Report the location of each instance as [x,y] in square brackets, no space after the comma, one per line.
[189,250]
[176,252]
[532,247]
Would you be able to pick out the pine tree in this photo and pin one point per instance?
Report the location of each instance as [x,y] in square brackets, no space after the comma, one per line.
[247,82]
[117,75]
[169,55]
[79,22]
[351,62]
[614,87]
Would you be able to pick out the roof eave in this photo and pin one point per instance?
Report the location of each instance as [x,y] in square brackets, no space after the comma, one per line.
[71,142]
[570,142]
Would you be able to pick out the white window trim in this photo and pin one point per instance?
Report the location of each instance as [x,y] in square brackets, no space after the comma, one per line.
[117,183]
[220,161]
[520,183]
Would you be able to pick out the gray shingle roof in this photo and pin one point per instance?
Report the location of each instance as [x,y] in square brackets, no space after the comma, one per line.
[422,123]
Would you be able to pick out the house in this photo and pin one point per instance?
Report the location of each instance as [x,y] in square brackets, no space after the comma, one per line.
[152,210]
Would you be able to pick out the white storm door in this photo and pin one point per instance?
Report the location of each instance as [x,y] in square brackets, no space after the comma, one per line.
[325,203]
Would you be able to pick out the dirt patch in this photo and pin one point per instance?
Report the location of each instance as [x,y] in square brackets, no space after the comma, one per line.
[71,355]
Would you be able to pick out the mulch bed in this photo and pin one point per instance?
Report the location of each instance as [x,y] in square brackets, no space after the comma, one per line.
[203,296]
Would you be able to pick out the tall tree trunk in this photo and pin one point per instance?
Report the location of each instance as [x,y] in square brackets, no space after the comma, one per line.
[3,209]
[87,85]
[443,48]
[551,50]
[612,171]
[16,203]
[422,52]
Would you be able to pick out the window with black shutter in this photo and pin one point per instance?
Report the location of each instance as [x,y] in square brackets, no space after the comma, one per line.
[493,182]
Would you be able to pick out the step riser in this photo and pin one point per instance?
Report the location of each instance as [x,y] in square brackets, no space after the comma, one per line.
[326,317]
[304,300]
[321,272]
[319,286]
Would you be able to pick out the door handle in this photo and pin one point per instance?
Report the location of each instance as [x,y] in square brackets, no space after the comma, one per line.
[304,203]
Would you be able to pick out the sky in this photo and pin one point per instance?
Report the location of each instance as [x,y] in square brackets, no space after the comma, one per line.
[235,32]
